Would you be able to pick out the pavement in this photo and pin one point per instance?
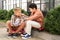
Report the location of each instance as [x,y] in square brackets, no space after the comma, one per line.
[35,35]
[4,36]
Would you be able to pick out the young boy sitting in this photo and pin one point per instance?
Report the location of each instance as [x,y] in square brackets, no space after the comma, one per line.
[16,22]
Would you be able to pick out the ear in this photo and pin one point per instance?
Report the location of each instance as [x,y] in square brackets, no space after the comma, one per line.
[34,8]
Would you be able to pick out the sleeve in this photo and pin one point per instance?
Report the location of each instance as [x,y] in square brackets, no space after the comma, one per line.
[35,16]
[12,20]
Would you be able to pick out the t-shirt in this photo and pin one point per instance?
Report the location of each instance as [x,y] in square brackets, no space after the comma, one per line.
[15,21]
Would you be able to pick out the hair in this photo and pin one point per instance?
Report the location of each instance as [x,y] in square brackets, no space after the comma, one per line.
[33,5]
[17,9]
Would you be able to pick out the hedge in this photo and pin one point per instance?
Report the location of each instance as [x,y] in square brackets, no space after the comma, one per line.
[52,21]
[3,14]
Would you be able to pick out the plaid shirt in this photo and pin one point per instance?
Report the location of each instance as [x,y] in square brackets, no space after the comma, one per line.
[15,21]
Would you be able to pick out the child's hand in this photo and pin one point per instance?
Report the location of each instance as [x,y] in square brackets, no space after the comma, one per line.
[27,19]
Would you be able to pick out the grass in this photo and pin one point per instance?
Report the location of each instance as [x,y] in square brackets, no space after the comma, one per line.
[3,21]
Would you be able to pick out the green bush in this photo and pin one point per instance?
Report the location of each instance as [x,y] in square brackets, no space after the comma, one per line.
[10,12]
[23,11]
[6,15]
[52,21]
[3,14]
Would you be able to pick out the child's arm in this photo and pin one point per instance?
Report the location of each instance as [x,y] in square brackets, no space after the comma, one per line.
[12,20]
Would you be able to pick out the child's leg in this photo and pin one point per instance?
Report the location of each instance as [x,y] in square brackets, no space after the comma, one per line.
[8,24]
[20,27]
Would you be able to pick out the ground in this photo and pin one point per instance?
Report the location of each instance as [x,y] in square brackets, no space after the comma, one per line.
[35,35]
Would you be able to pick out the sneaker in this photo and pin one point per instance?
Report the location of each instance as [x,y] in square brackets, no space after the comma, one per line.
[23,34]
[10,34]
[14,36]
[26,36]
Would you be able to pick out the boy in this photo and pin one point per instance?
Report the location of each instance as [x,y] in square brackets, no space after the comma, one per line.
[17,21]
[35,20]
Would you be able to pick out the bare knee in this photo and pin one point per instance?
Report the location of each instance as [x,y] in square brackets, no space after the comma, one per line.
[8,22]
[28,22]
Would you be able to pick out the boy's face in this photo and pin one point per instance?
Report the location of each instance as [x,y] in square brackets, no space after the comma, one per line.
[17,13]
[32,10]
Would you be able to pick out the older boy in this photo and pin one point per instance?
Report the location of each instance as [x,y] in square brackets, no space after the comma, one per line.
[35,20]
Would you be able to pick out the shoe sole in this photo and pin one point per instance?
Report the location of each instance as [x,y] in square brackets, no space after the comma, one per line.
[25,38]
